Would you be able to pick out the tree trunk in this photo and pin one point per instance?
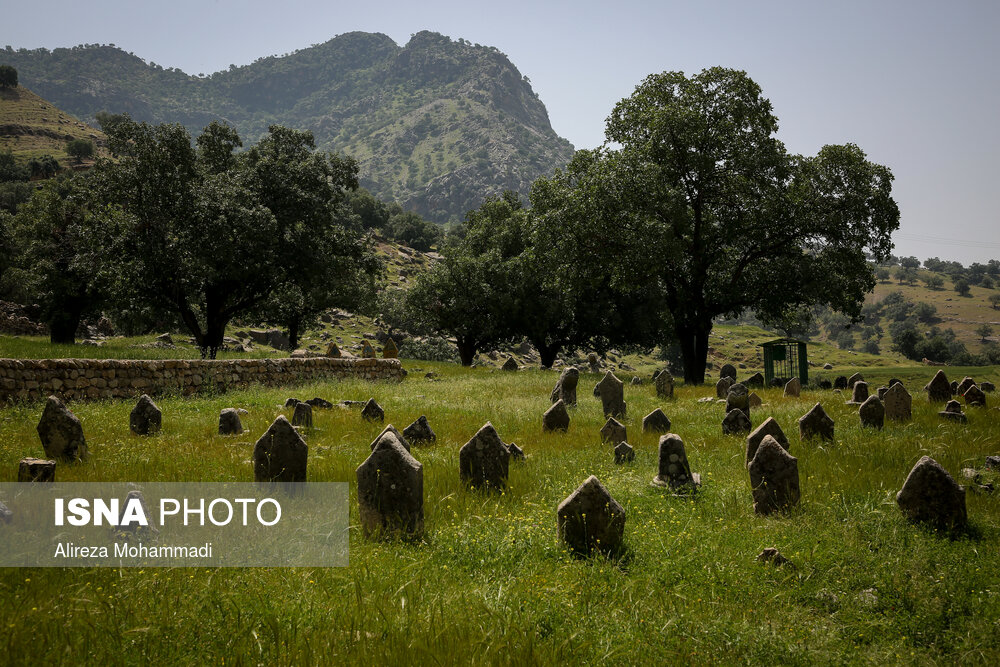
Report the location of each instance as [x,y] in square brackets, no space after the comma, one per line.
[293,335]
[63,326]
[466,351]
[215,330]
[191,322]
[693,339]
[547,352]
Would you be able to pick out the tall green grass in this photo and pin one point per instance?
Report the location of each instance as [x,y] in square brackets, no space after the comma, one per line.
[491,584]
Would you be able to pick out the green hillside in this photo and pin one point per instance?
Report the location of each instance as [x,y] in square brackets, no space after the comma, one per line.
[436,125]
[31,127]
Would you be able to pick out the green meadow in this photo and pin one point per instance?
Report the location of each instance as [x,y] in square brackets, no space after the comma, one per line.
[491,584]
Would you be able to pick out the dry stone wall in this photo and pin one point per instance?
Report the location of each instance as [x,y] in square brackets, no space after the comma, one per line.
[33,379]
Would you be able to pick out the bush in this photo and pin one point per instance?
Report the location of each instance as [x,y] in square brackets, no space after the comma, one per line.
[962,287]
[8,76]
[80,149]
[428,349]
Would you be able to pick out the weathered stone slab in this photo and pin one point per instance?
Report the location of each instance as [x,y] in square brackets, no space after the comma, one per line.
[367,351]
[516,453]
[964,385]
[774,478]
[613,431]
[938,389]
[859,394]
[390,350]
[872,413]
[390,429]
[674,471]
[816,423]
[624,453]
[755,381]
[280,455]
[656,422]
[612,395]
[728,371]
[664,384]
[754,400]
[930,495]
[229,422]
[769,427]
[145,418]
[372,411]
[953,411]
[36,470]
[738,398]
[722,387]
[303,415]
[320,403]
[419,431]
[840,382]
[484,460]
[897,403]
[975,397]
[793,388]
[735,423]
[510,365]
[391,490]
[590,519]
[854,379]
[556,418]
[61,432]
[565,389]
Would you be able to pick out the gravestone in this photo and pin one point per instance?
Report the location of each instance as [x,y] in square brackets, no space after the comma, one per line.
[6,516]
[61,433]
[656,422]
[987,386]
[333,351]
[854,379]
[897,403]
[738,398]
[770,427]
[391,490]
[938,389]
[964,385]
[825,384]
[565,389]
[754,401]
[321,403]
[736,422]
[793,388]
[590,519]
[229,422]
[664,384]
[624,453]
[636,381]
[611,392]
[816,423]
[280,455]
[367,351]
[390,350]
[484,460]
[674,472]
[291,402]
[303,415]
[859,394]
[556,418]
[516,453]
[872,413]
[755,381]
[954,387]
[840,382]
[390,429]
[728,371]
[953,411]
[975,397]
[930,495]
[145,418]
[509,365]
[419,432]
[774,478]
[372,411]
[613,431]
[881,393]
[722,387]
[36,470]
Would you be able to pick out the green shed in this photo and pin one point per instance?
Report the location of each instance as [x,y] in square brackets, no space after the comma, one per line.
[785,358]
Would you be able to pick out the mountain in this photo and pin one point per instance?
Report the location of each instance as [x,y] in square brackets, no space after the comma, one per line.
[435,125]
[31,127]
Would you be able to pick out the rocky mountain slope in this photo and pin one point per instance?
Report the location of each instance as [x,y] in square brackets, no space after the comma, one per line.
[436,124]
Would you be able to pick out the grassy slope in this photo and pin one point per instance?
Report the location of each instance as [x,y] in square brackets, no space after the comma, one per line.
[491,583]
[23,108]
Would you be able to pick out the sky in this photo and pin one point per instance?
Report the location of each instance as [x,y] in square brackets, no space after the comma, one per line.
[915,84]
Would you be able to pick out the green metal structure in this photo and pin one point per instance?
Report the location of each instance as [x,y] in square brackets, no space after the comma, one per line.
[785,358]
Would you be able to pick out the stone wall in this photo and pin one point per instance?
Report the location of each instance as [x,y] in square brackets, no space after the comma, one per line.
[32,379]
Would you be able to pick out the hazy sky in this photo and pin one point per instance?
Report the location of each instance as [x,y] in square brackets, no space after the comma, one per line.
[915,84]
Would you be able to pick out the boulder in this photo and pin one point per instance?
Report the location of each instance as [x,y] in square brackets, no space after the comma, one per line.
[36,470]
[769,427]
[774,478]
[484,460]
[280,455]
[930,495]
[556,418]
[656,422]
[145,418]
[419,431]
[61,433]
[816,423]
[613,431]
[391,491]
[565,389]
[590,519]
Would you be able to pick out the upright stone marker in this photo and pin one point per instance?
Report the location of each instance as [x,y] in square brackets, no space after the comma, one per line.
[229,422]
[516,453]
[565,389]
[872,413]
[770,427]
[556,418]
[303,415]
[738,398]
[953,411]
[624,453]
[793,388]
[854,379]
[722,387]
[391,491]
[754,401]
[367,351]
[964,385]
[656,422]
[332,350]
[145,418]
[816,423]
[611,391]
[755,381]
[419,431]
[280,455]
[975,397]
[674,472]
[590,519]
[736,422]
[931,495]
[664,384]
[36,470]
[897,403]
[613,431]
[774,478]
[509,365]
[728,371]
[390,429]
[61,433]
[860,393]
[372,411]
[938,389]
[484,460]
[390,350]
[840,382]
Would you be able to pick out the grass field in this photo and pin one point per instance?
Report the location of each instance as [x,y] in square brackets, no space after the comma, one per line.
[491,584]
